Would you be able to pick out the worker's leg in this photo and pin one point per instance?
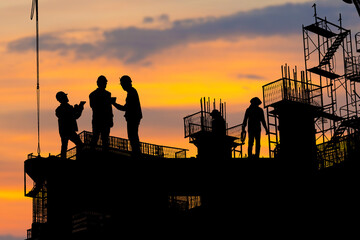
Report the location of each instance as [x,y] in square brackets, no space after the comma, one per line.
[64,145]
[105,132]
[257,142]
[133,135]
[250,144]
[75,139]
[95,137]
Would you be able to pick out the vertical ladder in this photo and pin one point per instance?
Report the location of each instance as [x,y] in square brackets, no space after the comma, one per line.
[272,120]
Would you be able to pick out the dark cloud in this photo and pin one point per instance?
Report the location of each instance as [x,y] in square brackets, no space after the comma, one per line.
[148,20]
[250,76]
[164,18]
[133,45]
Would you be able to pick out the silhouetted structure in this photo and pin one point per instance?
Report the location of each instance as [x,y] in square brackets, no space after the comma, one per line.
[207,130]
[255,116]
[133,114]
[166,195]
[338,117]
[102,121]
[67,116]
[316,117]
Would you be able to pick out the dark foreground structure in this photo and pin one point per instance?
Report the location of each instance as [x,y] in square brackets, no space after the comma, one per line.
[310,182]
[101,195]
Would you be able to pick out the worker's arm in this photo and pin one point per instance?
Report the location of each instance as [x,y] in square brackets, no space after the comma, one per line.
[119,106]
[78,109]
[263,122]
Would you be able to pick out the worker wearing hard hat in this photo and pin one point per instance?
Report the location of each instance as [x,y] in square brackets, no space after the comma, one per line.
[254,117]
[67,116]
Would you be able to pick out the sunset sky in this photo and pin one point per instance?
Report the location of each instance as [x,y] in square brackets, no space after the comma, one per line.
[175,51]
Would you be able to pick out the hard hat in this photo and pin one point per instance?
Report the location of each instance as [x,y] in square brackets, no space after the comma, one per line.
[255,101]
[125,79]
[60,95]
[101,79]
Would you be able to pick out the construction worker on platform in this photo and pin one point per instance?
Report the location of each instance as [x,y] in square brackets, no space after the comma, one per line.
[102,121]
[218,123]
[254,117]
[133,114]
[218,126]
[67,116]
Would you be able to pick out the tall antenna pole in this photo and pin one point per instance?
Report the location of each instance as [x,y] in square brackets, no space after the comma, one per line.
[35,7]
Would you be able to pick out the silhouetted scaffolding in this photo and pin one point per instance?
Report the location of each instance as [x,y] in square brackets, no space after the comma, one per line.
[327,85]
[324,42]
[287,89]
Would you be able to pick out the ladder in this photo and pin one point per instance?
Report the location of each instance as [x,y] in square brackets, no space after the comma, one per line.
[272,120]
[333,48]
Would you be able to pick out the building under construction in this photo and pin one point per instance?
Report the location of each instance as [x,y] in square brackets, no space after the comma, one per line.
[311,174]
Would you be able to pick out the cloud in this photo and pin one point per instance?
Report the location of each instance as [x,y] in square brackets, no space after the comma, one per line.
[133,44]
[164,18]
[250,76]
[148,20]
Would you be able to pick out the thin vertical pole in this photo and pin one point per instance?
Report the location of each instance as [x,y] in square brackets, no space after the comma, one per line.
[202,115]
[38,76]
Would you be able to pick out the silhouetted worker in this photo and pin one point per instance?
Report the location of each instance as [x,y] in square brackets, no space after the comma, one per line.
[102,121]
[218,126]
[218,123]
[254,117]
[67,116]
[133,114]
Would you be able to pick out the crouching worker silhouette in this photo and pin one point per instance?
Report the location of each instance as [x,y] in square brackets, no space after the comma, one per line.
[67,116]
[133,114]
[254,117]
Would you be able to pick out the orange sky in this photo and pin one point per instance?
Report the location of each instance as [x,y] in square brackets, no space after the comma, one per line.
[170,81]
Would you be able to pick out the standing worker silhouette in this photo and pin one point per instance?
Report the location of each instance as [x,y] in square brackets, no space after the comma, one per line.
[133,114]
[67,116]
[254,116]
[102,121]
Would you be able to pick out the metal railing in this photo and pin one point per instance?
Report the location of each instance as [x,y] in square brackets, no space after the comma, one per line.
[292,90]
[200,121]
[332,153]
[235,131]
[123,145]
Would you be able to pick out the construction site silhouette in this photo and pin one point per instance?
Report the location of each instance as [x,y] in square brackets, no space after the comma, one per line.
[137,189]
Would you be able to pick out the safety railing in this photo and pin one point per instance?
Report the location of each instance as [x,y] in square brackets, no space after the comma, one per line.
[291,90]
[331,153]
[200,121]
[123,145]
